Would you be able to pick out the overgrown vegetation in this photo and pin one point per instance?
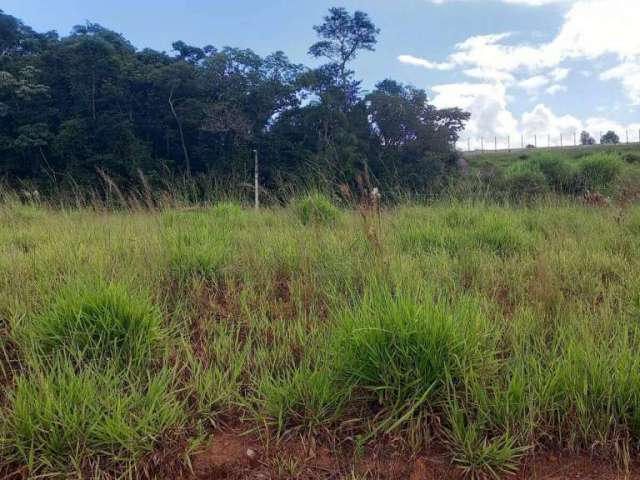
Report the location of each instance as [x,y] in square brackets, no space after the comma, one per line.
[494,332]
[611,172]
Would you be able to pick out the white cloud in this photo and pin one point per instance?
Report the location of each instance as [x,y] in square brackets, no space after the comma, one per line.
[492,119]
[559,74]
[591,29]
[490,74]
[421,62]
[487,103]
[629,74]
[553,89]
[533,84]
[542,121]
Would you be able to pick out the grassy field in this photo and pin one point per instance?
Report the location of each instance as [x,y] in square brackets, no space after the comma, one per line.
[488,333]
[611,171]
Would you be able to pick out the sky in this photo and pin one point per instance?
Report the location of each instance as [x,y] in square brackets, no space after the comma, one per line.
[523,68]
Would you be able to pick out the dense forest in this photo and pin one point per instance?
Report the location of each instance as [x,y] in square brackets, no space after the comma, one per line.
[78,107]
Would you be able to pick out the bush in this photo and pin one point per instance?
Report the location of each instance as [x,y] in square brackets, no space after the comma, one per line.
[97,322]
[560,175]
[316,208]
[525,180]
[631,157]
[63,421]
[599,171]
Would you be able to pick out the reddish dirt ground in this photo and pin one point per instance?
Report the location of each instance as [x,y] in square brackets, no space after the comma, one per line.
[237,457]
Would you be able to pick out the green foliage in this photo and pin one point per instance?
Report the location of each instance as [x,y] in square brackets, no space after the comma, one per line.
[586,139]
[525,180]
[610,138]
[544,174]
[631,157]
[228,210]
[599,171]
[91,102]
[559,173]
[316,209]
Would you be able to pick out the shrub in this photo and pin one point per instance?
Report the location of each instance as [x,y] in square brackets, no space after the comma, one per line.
[63,421]
[599,171]
[97,322]
[316,208]
[525,180]
[631,157]
[560,175]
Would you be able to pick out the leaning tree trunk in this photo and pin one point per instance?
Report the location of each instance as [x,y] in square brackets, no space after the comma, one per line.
[183,143]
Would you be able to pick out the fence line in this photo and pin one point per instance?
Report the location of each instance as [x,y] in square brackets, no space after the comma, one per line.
[497,143]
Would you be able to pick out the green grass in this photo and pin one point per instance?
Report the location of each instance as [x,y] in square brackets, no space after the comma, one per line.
[316,208]
[494,330]
[96,323]
[611,171]
[64,422]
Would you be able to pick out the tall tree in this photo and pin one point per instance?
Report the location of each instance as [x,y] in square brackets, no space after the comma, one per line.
[343,37]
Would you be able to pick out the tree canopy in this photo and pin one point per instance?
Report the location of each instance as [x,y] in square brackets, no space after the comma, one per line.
[90,102]
[610,138]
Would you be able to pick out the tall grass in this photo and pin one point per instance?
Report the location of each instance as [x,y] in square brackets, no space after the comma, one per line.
[493,330]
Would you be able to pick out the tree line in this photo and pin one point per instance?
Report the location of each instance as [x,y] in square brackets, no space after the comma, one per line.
[74,106]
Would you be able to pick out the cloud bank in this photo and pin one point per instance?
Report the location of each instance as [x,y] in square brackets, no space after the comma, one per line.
[497,62]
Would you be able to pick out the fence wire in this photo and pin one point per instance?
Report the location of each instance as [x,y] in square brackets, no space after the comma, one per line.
[498,143]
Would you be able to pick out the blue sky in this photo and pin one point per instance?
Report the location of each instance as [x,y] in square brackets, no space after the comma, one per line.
[522,67]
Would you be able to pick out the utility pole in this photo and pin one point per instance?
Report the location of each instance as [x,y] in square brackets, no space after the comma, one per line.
[256,184]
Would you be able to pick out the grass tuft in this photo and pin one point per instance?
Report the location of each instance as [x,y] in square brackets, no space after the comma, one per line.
[97,322]
[316,209]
